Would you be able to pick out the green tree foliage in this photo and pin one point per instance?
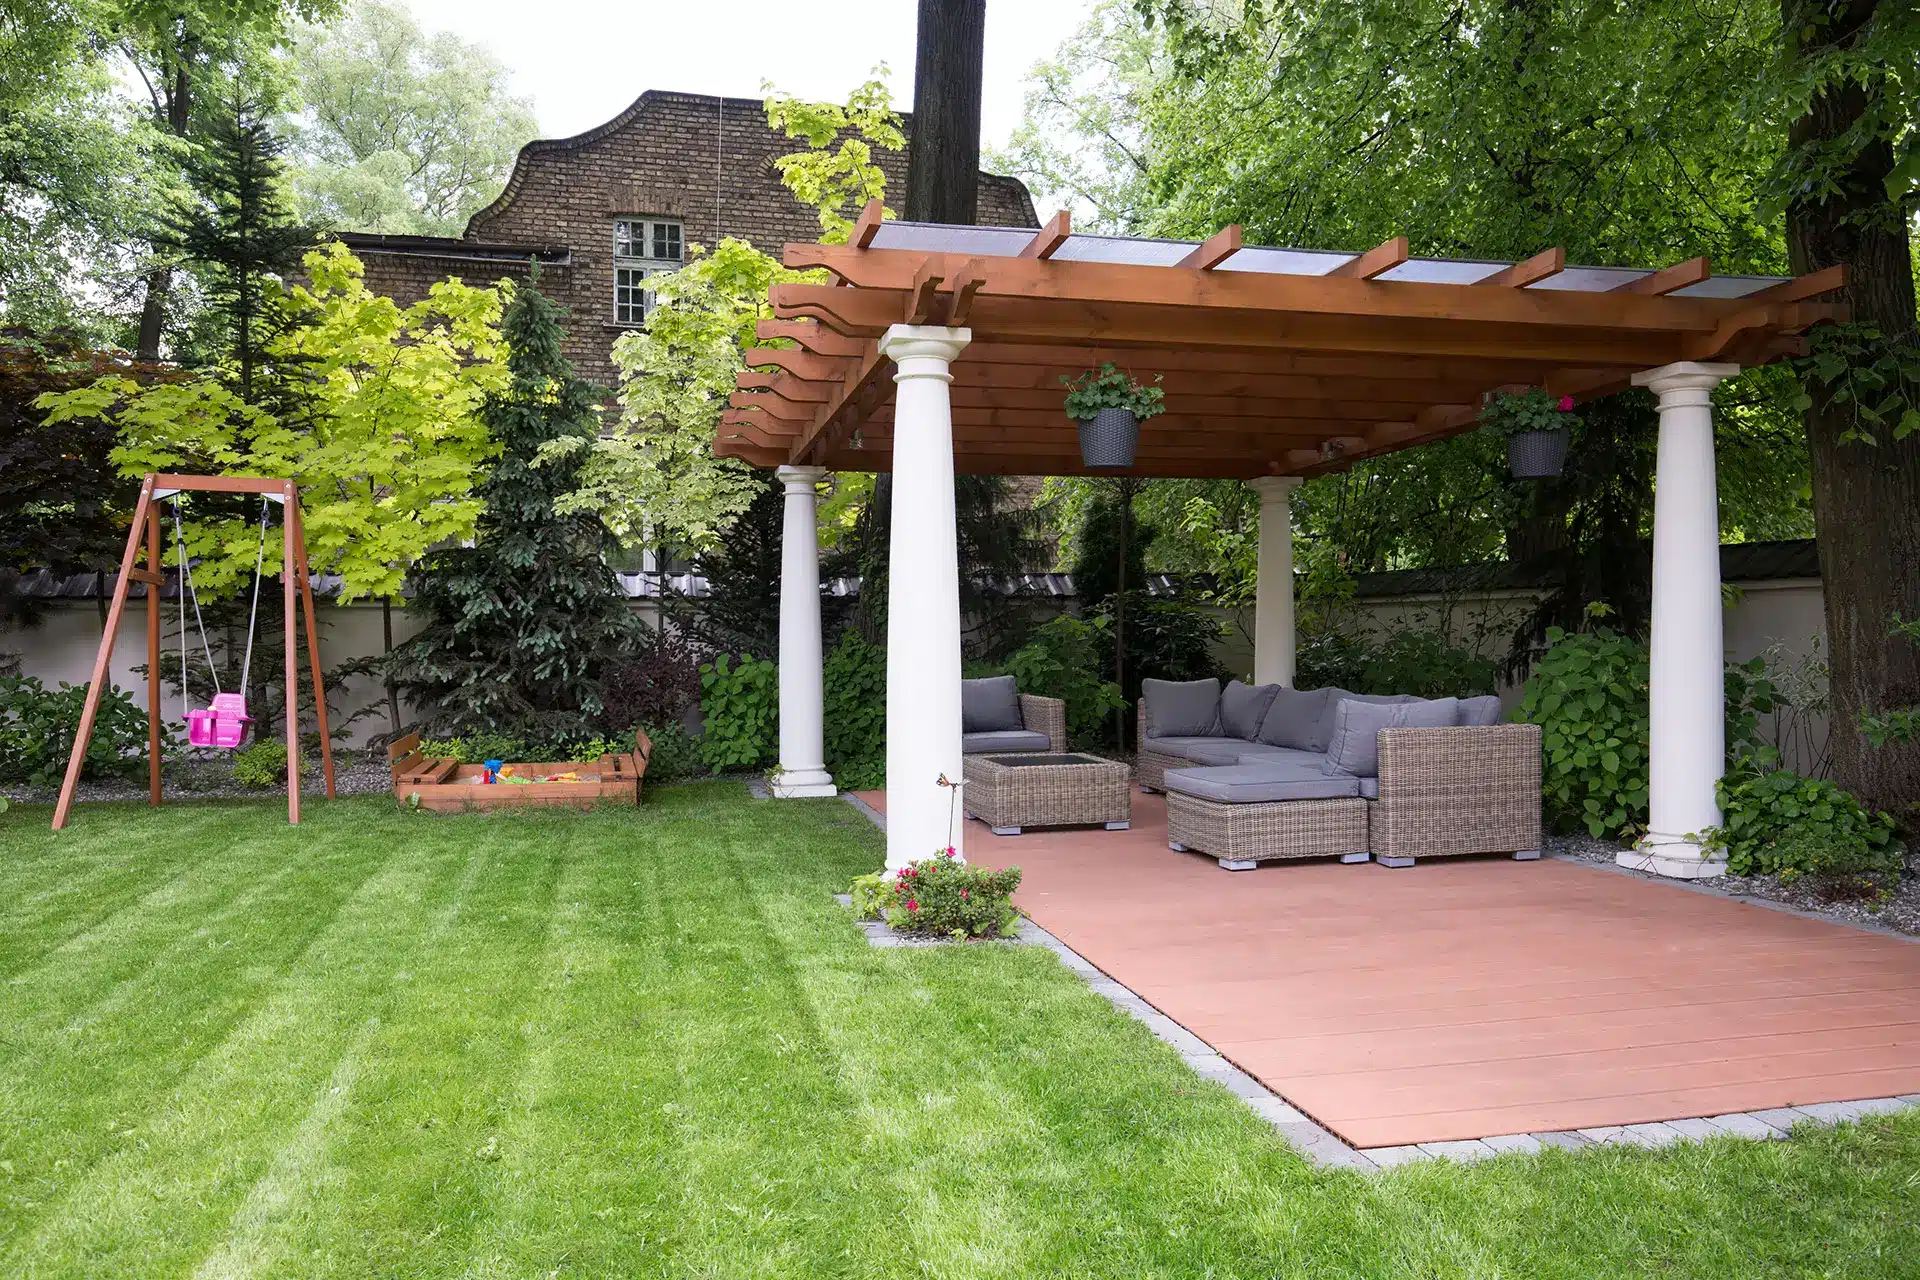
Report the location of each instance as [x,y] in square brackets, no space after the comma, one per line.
[835,173]
[401,132]
[521,623]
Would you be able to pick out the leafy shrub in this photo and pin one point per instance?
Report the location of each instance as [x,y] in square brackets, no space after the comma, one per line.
[942,896]
[1588,694]
[675,755]
[1775,822]
[1062,660]
[741,703]
[477,748]
[261,765]
[661,685]
[1415,661]
[37,725]
[1166,639]
[856,713]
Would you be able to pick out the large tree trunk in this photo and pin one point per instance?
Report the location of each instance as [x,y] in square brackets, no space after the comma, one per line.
[178,117]
[1866,498]
[943,155]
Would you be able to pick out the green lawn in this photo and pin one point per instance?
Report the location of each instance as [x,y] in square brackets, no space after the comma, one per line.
[649,1044]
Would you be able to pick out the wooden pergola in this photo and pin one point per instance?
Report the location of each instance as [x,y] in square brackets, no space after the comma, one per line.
[1275,361]
[938,349]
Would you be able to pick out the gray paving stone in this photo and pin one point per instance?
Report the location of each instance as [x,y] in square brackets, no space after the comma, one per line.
[844,899]
[1205,1062]
[1276,1110]
[1740,1124]
[1469,1149]
[1656,1134]
[1695,1130]
[1834,1112]
[1238,1082]
[1781,1118]
[1321,1147]
[1393,1157]
[1605,1135]
[1506,1143]
[1911,1099]
[1176,1035]
[1565,1139]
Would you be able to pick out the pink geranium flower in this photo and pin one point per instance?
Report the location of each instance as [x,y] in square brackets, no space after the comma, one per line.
[912,905]
[1566,404]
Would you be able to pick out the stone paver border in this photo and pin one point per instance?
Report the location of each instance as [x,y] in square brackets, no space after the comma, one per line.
[1321,1146]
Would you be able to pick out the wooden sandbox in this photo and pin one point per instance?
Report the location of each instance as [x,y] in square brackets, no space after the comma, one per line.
[447,786]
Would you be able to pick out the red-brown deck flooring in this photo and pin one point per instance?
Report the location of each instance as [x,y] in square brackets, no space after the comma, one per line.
[1463,998]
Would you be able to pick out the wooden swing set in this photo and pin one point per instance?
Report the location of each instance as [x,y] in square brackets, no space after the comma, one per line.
[293,559]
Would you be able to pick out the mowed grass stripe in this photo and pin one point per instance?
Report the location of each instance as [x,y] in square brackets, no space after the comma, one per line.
[57,886]
[72,1088]
[404,1177]
[182,1167]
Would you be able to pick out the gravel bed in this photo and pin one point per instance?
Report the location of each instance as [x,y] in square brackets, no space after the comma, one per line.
[210,777]
[1900,913]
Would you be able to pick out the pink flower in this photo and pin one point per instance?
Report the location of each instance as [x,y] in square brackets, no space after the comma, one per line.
[949,851]
[963,895]
[1566,404]
[912,905]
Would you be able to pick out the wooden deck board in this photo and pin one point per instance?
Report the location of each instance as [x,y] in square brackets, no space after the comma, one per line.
[1468,997]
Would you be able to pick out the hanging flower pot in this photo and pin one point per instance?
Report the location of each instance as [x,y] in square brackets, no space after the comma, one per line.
[1537,431]
[1109,406]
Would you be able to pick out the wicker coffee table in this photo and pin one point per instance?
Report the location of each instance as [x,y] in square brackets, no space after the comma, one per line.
[1012,792]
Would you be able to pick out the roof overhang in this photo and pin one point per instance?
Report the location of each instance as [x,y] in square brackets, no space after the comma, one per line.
[1274,361]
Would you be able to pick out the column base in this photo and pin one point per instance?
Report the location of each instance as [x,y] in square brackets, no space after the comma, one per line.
[1675,857]
[803,784]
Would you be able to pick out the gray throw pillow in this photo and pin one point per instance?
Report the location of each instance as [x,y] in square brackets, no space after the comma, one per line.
[1243,708]
[1483,710]
[1355,745]
[1298,718]
[990,705]
[1181,708]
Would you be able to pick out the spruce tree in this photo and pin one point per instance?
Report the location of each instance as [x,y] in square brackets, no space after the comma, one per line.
[521,624]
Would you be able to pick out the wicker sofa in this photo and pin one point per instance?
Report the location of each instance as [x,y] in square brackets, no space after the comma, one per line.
[996,718]
[1259,773]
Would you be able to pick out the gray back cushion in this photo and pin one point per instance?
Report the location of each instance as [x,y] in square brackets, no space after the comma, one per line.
[1181,708]
[1243,708]
[1301,719]
[991,705]
[1483,710]
[1355,747]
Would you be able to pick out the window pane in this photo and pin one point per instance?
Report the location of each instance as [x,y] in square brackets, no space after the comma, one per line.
[666,241]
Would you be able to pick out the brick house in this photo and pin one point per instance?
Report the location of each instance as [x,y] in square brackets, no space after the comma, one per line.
[603,209]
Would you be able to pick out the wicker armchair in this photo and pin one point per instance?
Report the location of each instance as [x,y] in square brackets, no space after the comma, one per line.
[1449,791]
[1045,715]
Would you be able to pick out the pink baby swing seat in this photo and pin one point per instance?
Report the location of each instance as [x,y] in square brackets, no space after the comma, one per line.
[222,725]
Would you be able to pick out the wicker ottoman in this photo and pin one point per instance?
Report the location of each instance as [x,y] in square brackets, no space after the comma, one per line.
[1242,835]
[1010,793]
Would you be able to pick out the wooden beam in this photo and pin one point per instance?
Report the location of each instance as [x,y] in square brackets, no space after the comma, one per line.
[1214,250]
[1667,279]
[920,304]
[858,378]
[772,406]
[1047,240]
[1811,285]
[966,283]
[867,225]
[1375,261]
[219,484]
[801,364]
[1551,262]
[809,336]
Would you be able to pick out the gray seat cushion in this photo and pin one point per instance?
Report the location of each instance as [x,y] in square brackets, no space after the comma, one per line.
[1261,783]
[1301,719]
[1483,710]
[1181,708]
[1200,750]
[1243,707]
[1355,747]
[1261,753]
[990,705]
[974,744]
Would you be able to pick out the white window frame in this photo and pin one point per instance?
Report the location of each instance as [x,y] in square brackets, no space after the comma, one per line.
[638,252]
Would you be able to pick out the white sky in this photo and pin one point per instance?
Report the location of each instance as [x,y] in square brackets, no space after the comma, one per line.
[582,61]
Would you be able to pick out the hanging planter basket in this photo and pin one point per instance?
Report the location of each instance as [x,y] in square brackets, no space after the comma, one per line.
[1537,455]
[1108,439]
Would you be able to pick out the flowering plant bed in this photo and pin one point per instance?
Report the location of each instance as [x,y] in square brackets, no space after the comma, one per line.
[941,896]
[447,786]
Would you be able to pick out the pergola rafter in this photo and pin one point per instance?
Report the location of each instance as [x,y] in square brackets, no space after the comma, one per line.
[1275,362]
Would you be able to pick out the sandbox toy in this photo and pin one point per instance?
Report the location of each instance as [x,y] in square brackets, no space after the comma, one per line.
[447,786]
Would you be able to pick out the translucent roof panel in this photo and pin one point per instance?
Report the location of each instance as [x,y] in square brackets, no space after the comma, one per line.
[1728,286]
[1442,271]
[1590,279]
[933,237]
[1285,262]
[1122,249]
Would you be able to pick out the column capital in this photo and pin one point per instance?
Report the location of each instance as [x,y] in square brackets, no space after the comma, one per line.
[1274,488]
[904,342]
[1684,381]
[800,478]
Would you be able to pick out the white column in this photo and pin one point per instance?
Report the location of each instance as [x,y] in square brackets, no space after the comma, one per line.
[1687,746]
[803,770]
[923,600]
[1273,583]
